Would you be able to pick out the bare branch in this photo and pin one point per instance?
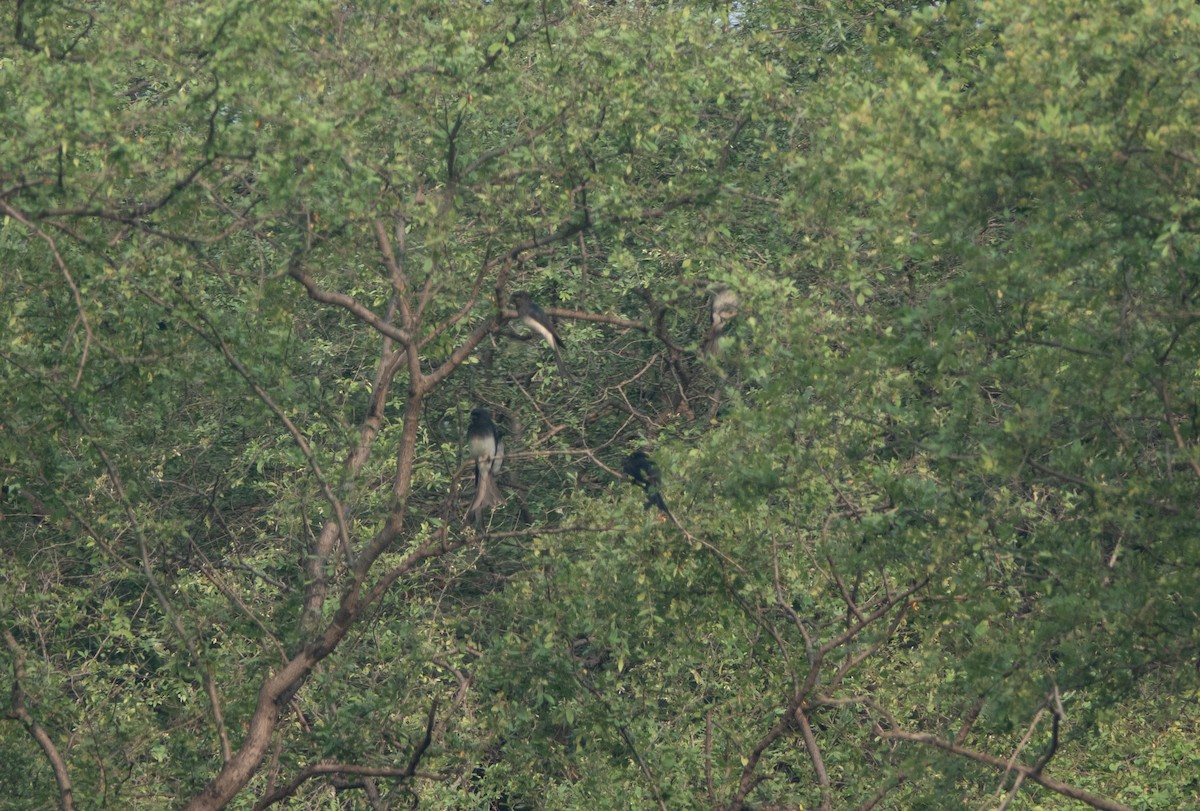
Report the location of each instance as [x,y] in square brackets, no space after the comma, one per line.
[1012,760]
[747,781]
[875,615]
[395,269]
[1058,474]
[372,423]
[814,753]
[350,304]
[468,305]
[1029,773]
[782,603]
[846,596]
[419,752]
[884,790]
[20,712]
[327,767]
[708,743]
[1173,420]
[580,315]
[331,767]
[969,720]
[854,661]
[1054,704]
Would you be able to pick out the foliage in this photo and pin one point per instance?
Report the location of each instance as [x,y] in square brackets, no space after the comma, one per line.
[931,492]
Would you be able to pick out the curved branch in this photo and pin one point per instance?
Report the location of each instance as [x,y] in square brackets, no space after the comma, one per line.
[352,305]
[467,306]
[322,547]
[748,781]
[330,767]
[395,268]
[20,712]
[794,713]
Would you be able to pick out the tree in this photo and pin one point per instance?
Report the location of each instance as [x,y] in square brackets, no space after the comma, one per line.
[190,407]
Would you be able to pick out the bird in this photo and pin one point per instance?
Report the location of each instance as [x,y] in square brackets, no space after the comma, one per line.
[642,471]
[724,310]
[486,445]
[536,319]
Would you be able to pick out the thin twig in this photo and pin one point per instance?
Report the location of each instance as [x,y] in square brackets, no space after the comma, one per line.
[1057,786]
[62,267]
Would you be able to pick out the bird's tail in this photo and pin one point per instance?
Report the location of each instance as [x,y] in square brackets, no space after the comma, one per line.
[487,494]
[562,367]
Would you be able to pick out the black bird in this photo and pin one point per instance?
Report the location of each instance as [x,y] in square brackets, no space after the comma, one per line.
[642,471]
[536,319]
[486,444]
[724,310]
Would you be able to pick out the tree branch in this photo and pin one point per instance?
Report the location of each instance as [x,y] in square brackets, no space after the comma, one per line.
[814,753]
[20,712]
[62,267]
[331,767]
[1028,772]
[350,304]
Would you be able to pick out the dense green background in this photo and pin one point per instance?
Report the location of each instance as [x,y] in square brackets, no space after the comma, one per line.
[934,532]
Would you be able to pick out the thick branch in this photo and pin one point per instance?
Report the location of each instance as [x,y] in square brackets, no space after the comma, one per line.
[747,781]
[462,353]
[372,424]
[814,753]
[795,707]
[278,689]
[350,304]
[20,712]
[330,767]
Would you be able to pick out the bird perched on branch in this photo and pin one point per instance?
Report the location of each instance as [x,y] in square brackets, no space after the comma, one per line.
[724,310]
[486,444]
[642,471]
[536,319]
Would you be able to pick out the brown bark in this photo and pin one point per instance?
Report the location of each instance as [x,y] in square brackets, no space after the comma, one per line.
[18,710]
[279,688]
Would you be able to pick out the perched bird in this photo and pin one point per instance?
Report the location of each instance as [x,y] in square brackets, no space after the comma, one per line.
[724,310]
[536,319]
[486,444]
[642,471]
